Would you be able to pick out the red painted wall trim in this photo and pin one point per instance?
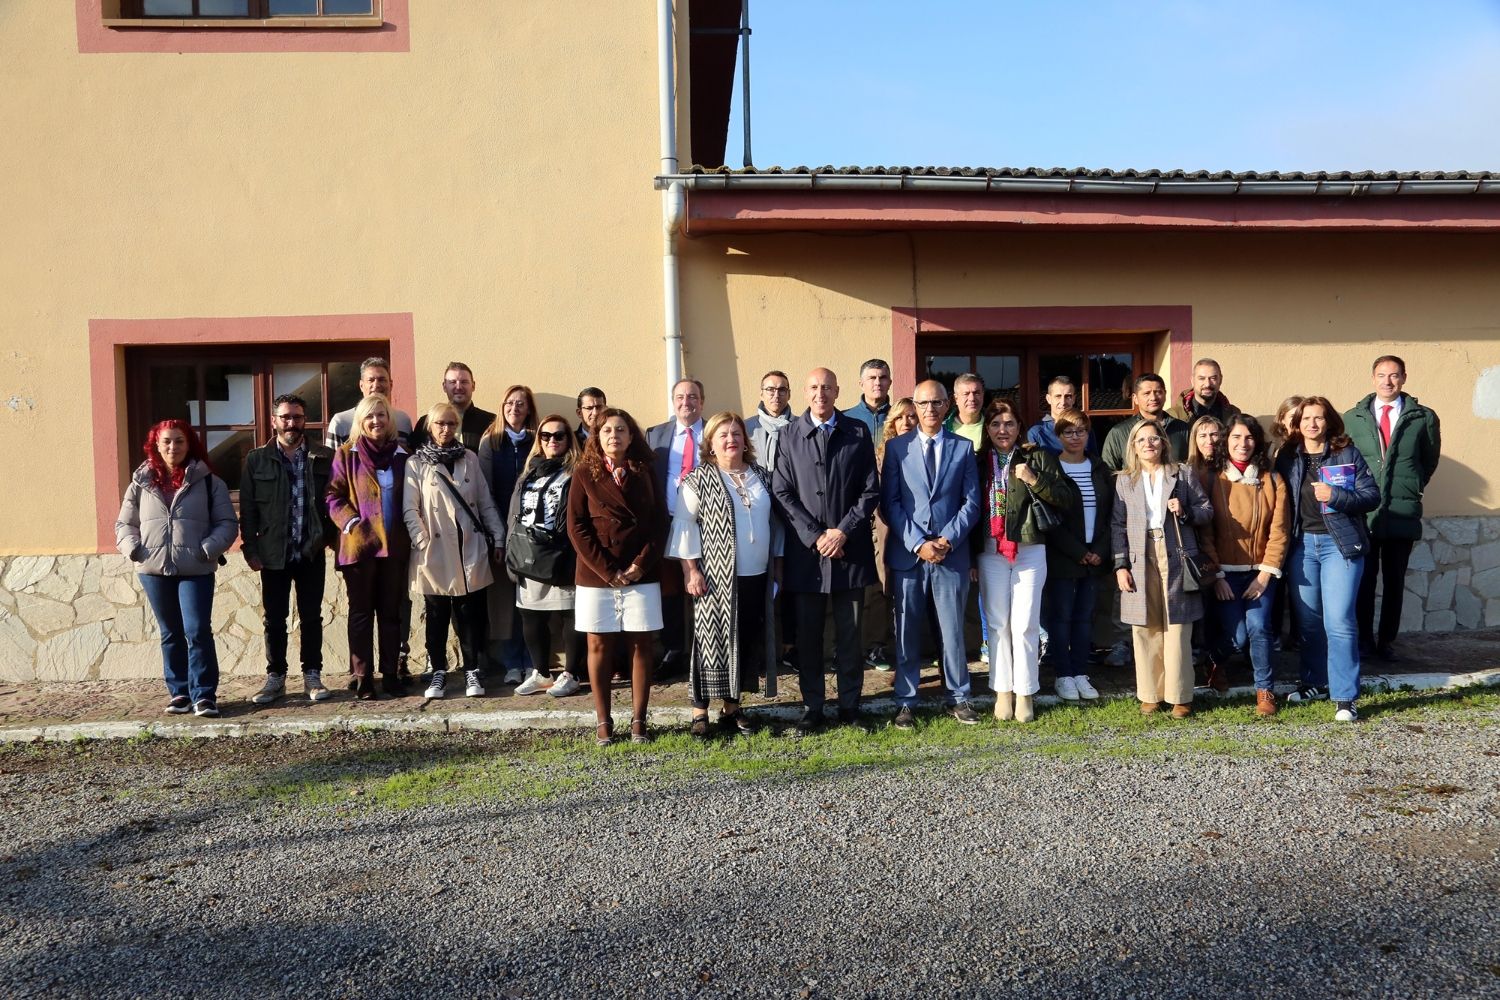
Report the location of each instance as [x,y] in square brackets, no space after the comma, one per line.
[108,338]
[908,322]
[393,36]
[711,212]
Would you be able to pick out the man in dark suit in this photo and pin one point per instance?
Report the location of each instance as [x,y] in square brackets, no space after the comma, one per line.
[676,445]
[826,489]
[930,498]
[591,403]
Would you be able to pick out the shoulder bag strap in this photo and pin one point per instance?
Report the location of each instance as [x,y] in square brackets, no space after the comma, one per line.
[453,490]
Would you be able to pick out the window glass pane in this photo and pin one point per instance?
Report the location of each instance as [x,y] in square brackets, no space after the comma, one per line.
[1109,381]
[305,380]
[1001,374]
[228,394]
[346,7]
[174,393]
[945,368]
[167,8]
[224,8]
[294,6]
[226,453]
[343,386]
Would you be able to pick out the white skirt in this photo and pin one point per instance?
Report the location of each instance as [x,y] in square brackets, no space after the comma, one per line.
[602,610]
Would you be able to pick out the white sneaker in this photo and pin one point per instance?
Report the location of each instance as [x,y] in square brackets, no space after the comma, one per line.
[273,688]
[438,686]
[1067,689]
[535,683]
[312,683]
[472,687]
[1346,713]
[512,676]
[566,684]
[1086,691]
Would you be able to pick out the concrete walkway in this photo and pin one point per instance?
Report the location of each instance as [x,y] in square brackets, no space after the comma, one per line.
[125,709]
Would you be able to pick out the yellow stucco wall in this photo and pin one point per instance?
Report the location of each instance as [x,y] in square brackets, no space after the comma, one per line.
[1283,313]
[494,182]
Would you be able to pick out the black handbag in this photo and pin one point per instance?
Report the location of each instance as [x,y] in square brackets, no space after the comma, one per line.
[1044,515]
[539,554]
[1193,572]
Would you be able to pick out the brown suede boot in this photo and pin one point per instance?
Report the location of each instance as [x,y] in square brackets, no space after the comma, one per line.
[1181,711]
[1005,709]
[1150,707]
[1265,703]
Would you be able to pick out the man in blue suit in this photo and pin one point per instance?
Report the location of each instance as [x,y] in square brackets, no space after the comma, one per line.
[930,497]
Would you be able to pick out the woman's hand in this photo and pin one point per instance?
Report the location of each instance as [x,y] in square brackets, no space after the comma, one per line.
[1025,474]
[1257,586]
[1175,506]
[497,556]
[1323,492]
[694,580]
[1124,581]
[973,574]
[1091,559]
[1223,591]
[632,574]
[777,568]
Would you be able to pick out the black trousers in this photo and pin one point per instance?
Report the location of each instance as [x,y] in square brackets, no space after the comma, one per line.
[536,629]
[1386,560]
[306,575]
[848,656]
[470,615]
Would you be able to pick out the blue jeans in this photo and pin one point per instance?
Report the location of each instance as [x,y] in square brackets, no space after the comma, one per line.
[1068,617]
[1254,617]
[182,605]
[949,590]
[1325,587]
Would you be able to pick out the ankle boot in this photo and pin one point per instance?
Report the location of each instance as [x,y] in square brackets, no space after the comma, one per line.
[1024,710]
[1004,706]
[1218,676]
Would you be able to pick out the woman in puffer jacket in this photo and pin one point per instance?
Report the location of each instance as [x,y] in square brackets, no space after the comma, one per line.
[456,536]
[175,522]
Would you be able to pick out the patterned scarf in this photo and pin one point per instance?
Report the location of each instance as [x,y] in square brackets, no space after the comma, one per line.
[999,481]
[446,454]
[617,471]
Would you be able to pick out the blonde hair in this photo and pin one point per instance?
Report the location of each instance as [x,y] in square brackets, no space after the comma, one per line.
[439,409]
[711,427]
[1133,462]
[898,410]
[364,409]
[496,431]
[570,457]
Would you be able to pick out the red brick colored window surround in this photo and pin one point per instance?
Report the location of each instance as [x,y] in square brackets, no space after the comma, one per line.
[105,26]
[907,323]
[116,451]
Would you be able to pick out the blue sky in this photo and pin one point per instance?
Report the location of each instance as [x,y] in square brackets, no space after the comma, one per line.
[1261,86]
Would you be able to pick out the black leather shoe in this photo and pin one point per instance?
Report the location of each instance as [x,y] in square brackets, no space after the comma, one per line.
[810,722]
[905,720]
[1386,654]
[965,715]
[853,721]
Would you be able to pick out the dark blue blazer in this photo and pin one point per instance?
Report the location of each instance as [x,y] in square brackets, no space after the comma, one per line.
[915,513]
[826,481]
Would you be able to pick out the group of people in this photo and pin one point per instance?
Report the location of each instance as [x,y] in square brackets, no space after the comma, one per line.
[733,541]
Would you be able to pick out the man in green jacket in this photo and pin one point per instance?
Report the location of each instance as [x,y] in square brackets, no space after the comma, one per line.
[285,528]
[1149,395]
[1204,399]
[1401,441]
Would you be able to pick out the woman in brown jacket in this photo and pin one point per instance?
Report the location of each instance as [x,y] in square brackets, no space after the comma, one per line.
[1250,537]
[617,522]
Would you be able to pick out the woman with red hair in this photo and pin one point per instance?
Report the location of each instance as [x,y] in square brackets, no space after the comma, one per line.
[175,523]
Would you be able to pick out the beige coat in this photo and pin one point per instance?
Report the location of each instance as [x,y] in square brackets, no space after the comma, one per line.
[1129,539]
[449,558]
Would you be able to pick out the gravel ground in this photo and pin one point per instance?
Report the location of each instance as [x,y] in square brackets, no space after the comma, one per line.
[1360,862]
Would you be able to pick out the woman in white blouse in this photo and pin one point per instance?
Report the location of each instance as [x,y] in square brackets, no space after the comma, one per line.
[729,542]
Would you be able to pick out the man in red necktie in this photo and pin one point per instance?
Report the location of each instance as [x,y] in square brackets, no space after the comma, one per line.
[1401,441]
[676,445]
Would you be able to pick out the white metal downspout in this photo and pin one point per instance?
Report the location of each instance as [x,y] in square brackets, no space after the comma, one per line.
[674,197]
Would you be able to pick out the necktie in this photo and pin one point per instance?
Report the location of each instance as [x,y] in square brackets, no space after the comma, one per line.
[827,429]
[929,458]
[1385,426]
[688,462]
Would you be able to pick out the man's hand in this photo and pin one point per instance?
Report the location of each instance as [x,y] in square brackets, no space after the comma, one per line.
[929,552]
[831,543]
[254,563]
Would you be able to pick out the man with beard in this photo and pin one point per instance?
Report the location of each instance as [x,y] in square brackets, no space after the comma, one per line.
[285,528]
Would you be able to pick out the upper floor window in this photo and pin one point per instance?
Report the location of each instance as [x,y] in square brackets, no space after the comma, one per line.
[248,9]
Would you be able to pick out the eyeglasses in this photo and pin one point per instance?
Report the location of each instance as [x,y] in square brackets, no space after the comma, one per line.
[552,435]
[1072,432]
[929,404]
[778,389]
[445,423]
